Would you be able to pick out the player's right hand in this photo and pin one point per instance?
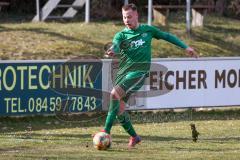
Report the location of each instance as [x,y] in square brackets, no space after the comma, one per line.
[108,49]
[109,53]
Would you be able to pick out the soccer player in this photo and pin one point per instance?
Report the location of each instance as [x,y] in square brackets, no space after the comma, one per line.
[133,44]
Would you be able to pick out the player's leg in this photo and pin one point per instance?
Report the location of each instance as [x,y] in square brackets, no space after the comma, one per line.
[116,94]
[130,85]
[124,119]
[117,109]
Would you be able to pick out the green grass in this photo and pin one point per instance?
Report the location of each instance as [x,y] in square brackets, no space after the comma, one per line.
[50,138]
[56,40]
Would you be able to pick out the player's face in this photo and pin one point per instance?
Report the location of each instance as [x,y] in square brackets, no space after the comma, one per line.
[130,18]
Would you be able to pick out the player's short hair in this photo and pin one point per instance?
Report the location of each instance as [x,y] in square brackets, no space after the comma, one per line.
[129,6]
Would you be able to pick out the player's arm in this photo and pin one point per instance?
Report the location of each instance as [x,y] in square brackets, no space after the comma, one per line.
[158,34]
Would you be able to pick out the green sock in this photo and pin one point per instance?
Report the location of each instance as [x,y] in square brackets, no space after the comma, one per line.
[125,121]
[112,113]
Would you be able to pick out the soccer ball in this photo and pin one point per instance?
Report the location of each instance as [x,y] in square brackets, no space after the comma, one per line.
[102,141]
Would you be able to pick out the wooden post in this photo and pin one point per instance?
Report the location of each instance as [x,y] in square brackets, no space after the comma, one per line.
[160,16]
[198,16]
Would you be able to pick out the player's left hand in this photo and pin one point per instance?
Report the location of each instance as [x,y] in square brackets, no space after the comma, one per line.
[191,52]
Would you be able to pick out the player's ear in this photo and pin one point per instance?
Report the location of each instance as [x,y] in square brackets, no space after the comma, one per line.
[136,14]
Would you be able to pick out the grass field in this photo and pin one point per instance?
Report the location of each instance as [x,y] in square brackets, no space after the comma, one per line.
[48,138]
[57,40]
[160,141]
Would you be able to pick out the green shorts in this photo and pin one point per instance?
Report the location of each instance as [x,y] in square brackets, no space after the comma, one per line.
[131,83]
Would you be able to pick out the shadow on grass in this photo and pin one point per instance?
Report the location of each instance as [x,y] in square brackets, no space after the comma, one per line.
[86,41]
[14,124]
[91,44]
[64,136]
[212,37]
[219,29]
[221,139]
[49,136]
[84,137]
[13,149]
[117,138]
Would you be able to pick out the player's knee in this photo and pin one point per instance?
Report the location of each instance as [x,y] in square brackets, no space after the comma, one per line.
[114,94]
[119,91]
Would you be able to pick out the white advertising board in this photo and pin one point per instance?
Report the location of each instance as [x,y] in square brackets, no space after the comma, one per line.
[188,82]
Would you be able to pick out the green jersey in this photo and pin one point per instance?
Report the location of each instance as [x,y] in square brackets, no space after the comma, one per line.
[134,48]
